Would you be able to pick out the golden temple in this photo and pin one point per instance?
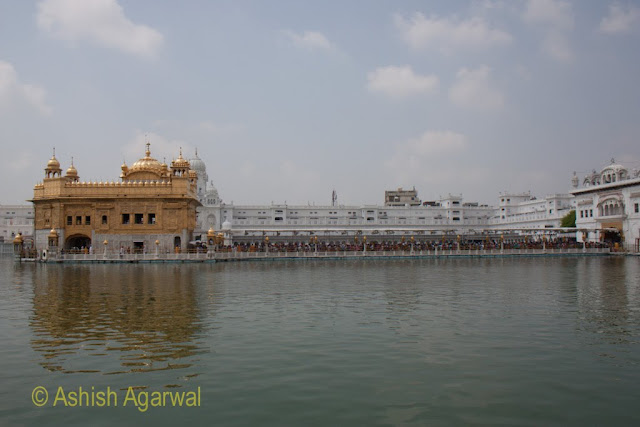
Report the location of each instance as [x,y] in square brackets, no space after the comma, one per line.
[152,205]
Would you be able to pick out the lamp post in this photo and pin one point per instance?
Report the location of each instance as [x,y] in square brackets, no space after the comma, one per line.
[315,240]
[458,244]
[501,242]
[412,241]
[266,244]
[364,245]
[105,243]
[157,242]
[584,241]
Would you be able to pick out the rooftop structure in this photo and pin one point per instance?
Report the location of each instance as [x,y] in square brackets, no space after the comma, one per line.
[401,197]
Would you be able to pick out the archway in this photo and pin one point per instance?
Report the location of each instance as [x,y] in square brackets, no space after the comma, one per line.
[177,242]
[77,242]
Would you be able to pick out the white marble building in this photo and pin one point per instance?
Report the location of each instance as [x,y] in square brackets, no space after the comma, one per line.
[16,219]
[450,215]
[522,210]
[607,203]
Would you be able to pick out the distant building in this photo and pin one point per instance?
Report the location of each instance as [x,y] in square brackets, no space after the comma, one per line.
[152,202]
[401,197]
[16,219]
[522,210]
[608,204]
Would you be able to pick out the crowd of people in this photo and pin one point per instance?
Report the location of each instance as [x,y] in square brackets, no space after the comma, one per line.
[433,245]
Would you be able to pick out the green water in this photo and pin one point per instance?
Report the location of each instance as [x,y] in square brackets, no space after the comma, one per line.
[538,341]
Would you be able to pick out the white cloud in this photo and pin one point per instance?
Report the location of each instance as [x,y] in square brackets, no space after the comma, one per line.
[398,82]
[554,13]
[445,34]
[20,161]
[12,90]
[436,142]
[556,18]
[309,40]
[556,45]
[621,19]
[99,21]
[473,90]
[161,148]
[415,161]
[194,130]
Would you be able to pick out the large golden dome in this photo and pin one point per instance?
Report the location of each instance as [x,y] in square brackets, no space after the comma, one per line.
[147,163]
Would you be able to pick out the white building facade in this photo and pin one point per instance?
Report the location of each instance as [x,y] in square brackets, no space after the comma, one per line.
[608,205]
[450,215]
[522,210]
[16,219]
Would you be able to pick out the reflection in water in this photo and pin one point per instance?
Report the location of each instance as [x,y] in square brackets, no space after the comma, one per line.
[604,301]
[468,341]
[146,315]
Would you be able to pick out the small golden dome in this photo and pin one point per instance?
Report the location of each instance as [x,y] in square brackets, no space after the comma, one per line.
[18,239]
[53,233]
[72,171]
[53,163]
[180,162]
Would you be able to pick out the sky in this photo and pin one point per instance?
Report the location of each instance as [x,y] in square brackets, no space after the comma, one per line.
[286,101]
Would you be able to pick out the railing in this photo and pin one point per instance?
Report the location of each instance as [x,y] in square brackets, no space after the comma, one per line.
[408,253]
[115,256]
[238,255]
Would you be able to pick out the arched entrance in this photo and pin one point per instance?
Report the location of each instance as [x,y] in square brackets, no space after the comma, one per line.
[177,242]
[77,242]
[611,236]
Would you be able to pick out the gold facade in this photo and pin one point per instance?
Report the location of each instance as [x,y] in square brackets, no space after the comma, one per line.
[151,201]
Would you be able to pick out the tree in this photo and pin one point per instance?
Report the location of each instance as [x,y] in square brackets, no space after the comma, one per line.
[569,220]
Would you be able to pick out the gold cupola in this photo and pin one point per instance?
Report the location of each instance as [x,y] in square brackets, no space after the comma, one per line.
[147,163]
[145,169]
[53,167]
[72,172]
[180,166]
[180,162]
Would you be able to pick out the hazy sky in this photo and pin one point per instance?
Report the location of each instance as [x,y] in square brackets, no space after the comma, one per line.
[288,100]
